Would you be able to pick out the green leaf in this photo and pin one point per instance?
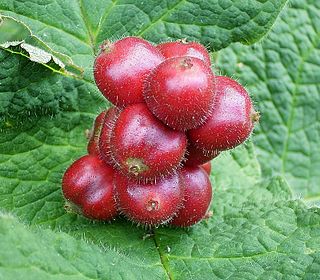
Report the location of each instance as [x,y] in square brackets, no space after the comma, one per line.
[253,226]
[283,76]
[28,91]
[76,28]
[245,210]
[16,37]
[40,254]
[257,235]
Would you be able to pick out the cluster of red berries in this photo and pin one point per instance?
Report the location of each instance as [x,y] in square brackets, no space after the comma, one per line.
[149,156]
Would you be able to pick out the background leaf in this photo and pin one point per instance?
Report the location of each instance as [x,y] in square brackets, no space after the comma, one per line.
[39,254]
[283,75]
[16,37]
[259,229]
[77,28]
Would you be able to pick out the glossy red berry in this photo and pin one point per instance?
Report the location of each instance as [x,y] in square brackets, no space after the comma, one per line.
[105,134]
[121,68]
[207,167]
[88,183]
[197,197]
[180,92]
[149,204]
[196,156]
[184,48]
[143,147]
[93,144]
[231,121]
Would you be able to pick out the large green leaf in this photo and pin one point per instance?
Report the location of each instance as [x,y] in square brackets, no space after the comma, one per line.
[256,235]
[29,90]
[16,37]
[258,230]
[44,254]
[77,28]
[255,230]
[283,75]
[282,242]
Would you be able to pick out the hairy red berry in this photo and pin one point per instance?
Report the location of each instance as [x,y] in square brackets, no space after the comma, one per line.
[207,167]
[93,144]
[196,156]
[143,147]
[197,197]
[149,204]
[88,183]
[105,135]
[180,92]
[121,68]
[184,48]
[231,121]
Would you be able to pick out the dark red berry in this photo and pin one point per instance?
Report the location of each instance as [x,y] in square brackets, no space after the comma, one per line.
[207,167]
[197,197]
[143,147]
[231,121]
[184,48]
[150,204]
[196,156]
[105,134]
[180,92]
[93,144]
[88,183]
[121,68]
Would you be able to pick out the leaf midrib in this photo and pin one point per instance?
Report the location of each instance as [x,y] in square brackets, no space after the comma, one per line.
[162,256]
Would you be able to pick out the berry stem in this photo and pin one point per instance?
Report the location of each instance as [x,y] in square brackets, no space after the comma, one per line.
[72,208]
[106,46]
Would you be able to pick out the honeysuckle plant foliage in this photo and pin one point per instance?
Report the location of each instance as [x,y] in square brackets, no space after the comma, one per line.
[266,220]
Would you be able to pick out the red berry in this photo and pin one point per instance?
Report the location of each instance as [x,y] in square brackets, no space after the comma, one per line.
[180,92]
[231,121]
[207,167]
[150,204]
[121,68]
[88,183]
[143,147]
[196,156]
[105,134]
[197,197]
[184,48]
[93,144]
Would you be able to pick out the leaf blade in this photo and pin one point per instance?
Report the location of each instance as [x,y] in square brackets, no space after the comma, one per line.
[283,75]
